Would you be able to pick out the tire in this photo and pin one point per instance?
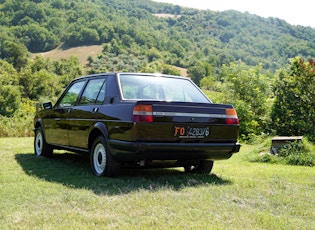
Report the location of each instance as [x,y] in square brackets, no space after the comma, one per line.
[202,167]
[41,148]
[102,161]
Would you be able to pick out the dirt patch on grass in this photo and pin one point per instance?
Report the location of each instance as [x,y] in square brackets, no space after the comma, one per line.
[81,52]
[183,71]
[167,15]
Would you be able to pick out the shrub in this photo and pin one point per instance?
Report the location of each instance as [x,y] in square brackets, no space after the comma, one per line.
[20,124]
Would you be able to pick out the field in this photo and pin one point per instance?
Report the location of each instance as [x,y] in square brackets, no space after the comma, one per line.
[81,52]
[62,193]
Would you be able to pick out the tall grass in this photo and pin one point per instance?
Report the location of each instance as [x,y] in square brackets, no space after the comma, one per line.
[62,193]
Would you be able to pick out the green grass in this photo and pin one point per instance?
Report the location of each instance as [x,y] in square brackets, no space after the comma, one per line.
[62,193]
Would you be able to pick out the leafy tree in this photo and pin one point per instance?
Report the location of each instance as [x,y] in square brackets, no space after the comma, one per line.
[39,39]
[247,88]
[10,98]
[293,112]
[199,71]
[9,90]
[68,69]
[15,53]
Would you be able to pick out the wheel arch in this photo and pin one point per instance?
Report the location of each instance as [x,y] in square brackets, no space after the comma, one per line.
[98,130]
[39,123]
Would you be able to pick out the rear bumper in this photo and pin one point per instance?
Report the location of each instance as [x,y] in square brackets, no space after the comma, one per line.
[130,151]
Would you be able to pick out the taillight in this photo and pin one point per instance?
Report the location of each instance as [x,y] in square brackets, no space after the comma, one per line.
[231,117]
[142,113]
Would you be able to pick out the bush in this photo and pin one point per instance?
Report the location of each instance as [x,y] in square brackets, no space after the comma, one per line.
[20,124]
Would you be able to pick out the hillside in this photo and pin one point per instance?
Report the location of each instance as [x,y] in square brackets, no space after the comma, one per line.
[145,33]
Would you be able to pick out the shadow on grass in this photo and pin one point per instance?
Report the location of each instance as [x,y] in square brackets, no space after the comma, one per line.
[74,171]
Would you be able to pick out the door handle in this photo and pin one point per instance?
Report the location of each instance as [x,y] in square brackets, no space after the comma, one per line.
[95,110]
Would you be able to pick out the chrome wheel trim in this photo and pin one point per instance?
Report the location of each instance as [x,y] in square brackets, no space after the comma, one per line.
[99,158]
[39,144]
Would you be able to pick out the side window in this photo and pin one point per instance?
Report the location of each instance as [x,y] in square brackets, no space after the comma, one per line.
[101,95]
[94,92]
[71,96]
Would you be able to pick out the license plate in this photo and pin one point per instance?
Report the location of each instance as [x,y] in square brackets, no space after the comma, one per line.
[191,132]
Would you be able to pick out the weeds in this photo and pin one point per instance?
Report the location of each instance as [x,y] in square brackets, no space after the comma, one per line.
[294,153]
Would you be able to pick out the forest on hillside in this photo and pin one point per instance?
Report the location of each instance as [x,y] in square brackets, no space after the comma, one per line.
[132,27]
[235,57]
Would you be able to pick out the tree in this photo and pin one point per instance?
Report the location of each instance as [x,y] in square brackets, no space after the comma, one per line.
[247,88]
[15,54]
[68,69]
[39,39]
[199,71]
[10,96]
[293,112]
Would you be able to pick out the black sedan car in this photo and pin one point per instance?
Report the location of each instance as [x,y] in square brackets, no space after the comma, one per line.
[133,119]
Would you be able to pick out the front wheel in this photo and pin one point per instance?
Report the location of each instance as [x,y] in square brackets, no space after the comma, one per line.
[102,162]
[41,148]
[202,167]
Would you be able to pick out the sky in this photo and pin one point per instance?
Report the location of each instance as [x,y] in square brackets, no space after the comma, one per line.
[298,12]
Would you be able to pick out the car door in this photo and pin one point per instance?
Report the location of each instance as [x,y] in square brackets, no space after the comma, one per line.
[83,115]
[56,127]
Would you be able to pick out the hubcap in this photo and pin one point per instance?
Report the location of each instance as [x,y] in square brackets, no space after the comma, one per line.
[99,158]
[39,144]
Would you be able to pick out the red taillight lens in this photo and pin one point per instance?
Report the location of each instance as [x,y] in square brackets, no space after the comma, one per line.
[142,113]
[231,117]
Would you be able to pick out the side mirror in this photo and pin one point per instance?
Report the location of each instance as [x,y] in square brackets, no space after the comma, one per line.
[47,105]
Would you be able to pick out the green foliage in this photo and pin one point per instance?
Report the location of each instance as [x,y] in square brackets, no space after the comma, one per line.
[14,53]
[67,69]
[190,37]
[85,36]
[20,123]
[197,72]
[38,39]
[166,69]
[248,89]
[10,95]
[293,111]
[38,81]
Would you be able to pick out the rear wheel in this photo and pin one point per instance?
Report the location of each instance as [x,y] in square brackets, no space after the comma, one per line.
[102,161]
[41,148]
[202,167]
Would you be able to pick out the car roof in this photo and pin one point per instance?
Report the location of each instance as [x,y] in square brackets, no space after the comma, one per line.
[129,73]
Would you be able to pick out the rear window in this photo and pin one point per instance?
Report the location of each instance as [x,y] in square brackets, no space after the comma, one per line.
[160,88]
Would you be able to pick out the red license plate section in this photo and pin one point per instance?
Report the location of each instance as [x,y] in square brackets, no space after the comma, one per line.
[191,132]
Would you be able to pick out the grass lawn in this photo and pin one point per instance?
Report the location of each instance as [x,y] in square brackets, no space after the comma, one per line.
[62,193]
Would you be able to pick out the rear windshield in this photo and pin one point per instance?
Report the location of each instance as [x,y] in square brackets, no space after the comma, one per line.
[160,88]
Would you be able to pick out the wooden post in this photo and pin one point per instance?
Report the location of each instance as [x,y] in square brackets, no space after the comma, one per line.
[37,107]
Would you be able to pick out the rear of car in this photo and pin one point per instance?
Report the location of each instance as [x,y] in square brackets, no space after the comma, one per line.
[172,120]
